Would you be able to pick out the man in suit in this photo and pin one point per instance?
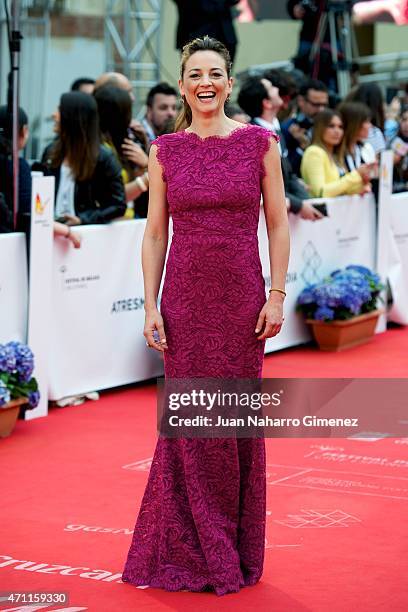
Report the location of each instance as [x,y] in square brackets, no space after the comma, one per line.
[260,99]
[212,17]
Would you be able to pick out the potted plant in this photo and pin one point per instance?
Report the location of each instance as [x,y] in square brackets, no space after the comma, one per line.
[342,309]
[17,385]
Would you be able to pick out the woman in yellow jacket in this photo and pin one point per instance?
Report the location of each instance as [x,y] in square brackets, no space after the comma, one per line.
[322,168]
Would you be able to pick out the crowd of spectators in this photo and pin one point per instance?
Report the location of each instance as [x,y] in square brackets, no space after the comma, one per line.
[328,148]
[99,154]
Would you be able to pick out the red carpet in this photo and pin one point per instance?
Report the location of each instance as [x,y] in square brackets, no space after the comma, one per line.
[336,528]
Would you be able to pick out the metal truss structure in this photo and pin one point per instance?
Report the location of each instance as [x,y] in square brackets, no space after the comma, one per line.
[132,43]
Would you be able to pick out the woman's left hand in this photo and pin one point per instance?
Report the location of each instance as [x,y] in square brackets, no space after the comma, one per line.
[270,318]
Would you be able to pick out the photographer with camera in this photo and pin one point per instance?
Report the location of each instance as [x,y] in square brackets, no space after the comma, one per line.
[310,13]
[313,97]
[318,39]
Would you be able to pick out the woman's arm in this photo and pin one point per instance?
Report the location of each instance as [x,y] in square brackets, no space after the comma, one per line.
[349,184]
[154,248]
[315,163]
[136,187]
[271,317]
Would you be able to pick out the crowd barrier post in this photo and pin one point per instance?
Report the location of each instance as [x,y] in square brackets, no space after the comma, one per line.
[398,258]
[40,273]
[13,288]
[383,228]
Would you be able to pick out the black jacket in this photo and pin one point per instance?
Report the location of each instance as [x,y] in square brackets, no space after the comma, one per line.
[99,199]
[200,17]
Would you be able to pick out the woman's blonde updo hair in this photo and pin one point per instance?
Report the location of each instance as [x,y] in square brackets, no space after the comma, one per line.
[206,43]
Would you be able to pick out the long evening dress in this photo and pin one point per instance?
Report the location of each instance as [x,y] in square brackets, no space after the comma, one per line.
[201,524]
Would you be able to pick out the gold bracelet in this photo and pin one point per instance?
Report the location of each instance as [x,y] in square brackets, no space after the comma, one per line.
[278,290]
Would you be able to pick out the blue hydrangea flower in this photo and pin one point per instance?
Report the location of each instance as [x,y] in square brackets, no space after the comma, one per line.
[34,398]
[342,294]
[307,296]
[24,360]
[353,303]
[8,361]
[4,394]
[324,314]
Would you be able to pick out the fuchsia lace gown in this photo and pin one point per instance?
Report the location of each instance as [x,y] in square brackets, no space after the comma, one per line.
[202,520]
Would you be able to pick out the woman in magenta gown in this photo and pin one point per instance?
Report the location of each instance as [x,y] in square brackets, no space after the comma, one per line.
[201,524]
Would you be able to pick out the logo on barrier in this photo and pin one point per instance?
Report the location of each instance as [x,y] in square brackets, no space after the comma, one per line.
[127,305]
[76,282]
[40,206]
[313,261]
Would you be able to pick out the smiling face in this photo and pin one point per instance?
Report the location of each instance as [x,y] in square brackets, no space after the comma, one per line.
[205,82]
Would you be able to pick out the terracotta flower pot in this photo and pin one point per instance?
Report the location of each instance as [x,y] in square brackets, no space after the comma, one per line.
[9,415]
[340,335]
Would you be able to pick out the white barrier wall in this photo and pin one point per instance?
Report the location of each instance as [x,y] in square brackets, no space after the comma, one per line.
[97,309]
[39,309]
[346,236]
[97,317]
[98,312]
[13,287]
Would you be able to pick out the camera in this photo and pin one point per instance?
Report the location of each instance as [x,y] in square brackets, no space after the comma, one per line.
[309,5]
[303,122]
[314,6]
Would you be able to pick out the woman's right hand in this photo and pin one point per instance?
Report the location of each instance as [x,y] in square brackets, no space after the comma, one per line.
[154,323]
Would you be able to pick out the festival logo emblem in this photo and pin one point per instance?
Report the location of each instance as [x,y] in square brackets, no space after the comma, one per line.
[40,206]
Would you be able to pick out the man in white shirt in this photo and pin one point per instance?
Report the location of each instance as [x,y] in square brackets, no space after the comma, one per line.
[260,99]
